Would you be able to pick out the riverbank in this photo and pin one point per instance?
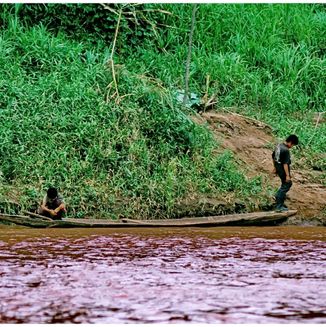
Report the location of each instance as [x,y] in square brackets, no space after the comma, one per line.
[115,140]
[252,143]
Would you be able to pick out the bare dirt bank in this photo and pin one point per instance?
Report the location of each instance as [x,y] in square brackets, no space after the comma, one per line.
[252,143]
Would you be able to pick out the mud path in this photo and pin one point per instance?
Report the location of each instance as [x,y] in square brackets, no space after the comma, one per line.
[252,143]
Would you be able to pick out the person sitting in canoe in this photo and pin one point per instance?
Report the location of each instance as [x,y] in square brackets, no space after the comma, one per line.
[52,205]
[282,161]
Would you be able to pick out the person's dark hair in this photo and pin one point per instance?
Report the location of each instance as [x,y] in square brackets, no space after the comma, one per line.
[293,139]
[52,193]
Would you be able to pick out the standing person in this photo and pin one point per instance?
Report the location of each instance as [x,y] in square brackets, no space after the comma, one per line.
[282,161]
[52,205]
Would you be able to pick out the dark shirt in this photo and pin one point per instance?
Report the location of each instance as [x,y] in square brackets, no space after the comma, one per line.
[52,203]
[281,155]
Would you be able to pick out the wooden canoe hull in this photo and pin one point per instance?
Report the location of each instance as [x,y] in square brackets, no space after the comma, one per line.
[245,219]
[65,223]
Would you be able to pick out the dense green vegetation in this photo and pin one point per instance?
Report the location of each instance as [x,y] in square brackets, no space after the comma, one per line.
[264,60]
[139,153]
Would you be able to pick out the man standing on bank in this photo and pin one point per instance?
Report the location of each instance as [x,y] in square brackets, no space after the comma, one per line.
[282,161]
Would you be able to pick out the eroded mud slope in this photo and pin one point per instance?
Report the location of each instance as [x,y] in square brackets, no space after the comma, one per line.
[252,142]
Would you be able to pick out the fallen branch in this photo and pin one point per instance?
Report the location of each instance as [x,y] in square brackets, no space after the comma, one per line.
[109,8]
[36,215]
[193,20]
[258,122]
[112,54]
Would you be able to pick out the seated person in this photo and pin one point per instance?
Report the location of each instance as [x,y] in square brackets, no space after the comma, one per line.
[52,205]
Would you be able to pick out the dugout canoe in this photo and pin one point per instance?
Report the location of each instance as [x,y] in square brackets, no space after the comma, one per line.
[244,219]
[65,223]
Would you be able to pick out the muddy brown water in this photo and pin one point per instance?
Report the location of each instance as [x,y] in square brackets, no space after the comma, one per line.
[210,275]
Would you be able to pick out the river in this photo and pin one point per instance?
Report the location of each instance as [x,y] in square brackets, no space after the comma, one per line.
[195,275]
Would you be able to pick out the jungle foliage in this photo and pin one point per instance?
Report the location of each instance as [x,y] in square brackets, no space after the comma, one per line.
[136,152]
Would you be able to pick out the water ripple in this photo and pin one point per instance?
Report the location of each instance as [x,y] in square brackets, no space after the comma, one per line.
[126,277]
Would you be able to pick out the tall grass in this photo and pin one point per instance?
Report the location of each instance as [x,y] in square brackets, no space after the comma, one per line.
[59,126]
[266,60]
[143,155]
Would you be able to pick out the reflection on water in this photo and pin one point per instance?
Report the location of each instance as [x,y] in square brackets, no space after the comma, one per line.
[232,275]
